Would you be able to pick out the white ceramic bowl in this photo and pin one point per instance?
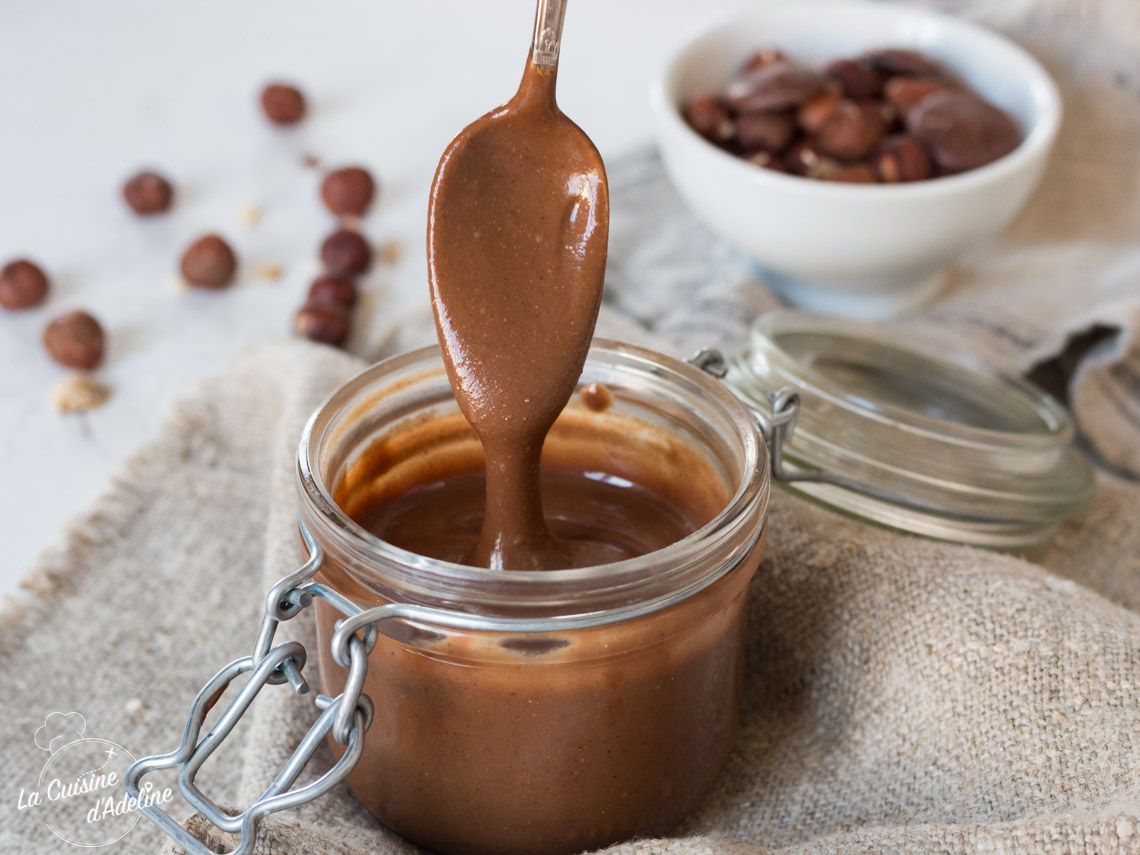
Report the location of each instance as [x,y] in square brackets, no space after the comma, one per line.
[864,250]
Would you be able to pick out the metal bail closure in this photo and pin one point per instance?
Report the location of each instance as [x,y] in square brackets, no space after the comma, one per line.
[777,427]
[346,716]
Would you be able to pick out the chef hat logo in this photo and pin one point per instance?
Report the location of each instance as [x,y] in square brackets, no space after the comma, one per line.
[60,729]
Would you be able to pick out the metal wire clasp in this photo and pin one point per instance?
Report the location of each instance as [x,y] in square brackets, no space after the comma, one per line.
[346,716]
[778,427]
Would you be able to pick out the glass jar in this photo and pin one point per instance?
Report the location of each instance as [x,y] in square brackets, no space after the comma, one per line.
[553,711]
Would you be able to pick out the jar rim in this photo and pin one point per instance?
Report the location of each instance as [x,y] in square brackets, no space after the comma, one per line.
[530,587]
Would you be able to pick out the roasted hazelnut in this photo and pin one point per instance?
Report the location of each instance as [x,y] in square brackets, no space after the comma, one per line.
[75,340]
[767,160]
[761,59]
[851,173]
[902,158]
[708,117]
[324,322]
[282,104]
[961,131]
[905,93]
[209,262]
[148,193]
[832,124]
[764,131]
[348,191]
[345,253]
[903,61]
[22,285]
[884,110]
[804,158]
[851,132]
[779,86]
[857,80]
[816,110]
[333,289]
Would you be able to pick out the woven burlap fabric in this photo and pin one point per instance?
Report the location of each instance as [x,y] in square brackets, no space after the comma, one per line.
[900,693]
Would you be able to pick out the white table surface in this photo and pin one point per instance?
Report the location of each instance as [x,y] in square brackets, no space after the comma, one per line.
[92,91]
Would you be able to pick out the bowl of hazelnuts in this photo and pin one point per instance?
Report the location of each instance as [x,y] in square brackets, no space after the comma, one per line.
[853,150]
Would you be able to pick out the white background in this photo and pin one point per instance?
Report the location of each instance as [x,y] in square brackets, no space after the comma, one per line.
[92,90]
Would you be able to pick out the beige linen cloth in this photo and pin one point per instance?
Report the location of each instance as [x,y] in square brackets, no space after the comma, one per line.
[900,694]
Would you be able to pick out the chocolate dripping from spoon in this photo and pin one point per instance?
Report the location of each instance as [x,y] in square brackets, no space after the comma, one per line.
[517,228]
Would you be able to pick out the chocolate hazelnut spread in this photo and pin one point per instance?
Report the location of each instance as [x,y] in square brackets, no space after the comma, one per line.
[603,493]
[517,227]
[597,397]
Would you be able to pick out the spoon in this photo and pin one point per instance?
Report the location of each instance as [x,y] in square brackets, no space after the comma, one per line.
[518,221]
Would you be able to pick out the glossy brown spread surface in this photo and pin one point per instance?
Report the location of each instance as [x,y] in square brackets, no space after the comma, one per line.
[517,227]
[612,487]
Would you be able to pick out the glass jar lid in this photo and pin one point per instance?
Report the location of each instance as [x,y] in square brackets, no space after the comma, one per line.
[933,443]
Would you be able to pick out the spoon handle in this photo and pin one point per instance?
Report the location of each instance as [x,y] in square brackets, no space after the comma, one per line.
[547,32]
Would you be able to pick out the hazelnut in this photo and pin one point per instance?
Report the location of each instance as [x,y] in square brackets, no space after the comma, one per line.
[905,93]
[851,173]
[348,191]
[903,61]
[961,131]
[764,131]
[324,322]
[391,252]
[883,110]
[250,215]
[333,289]
[902,158]
[831,124]
[22,285]
[345,253]
[767,160]
[805,159]
[148,193]
[282,104]
[75,340]
[761,59]
[815,111]
[709,118]
[774,87]
[209,262]
[851,132]
[76,393]
[857,79]
[268,270]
